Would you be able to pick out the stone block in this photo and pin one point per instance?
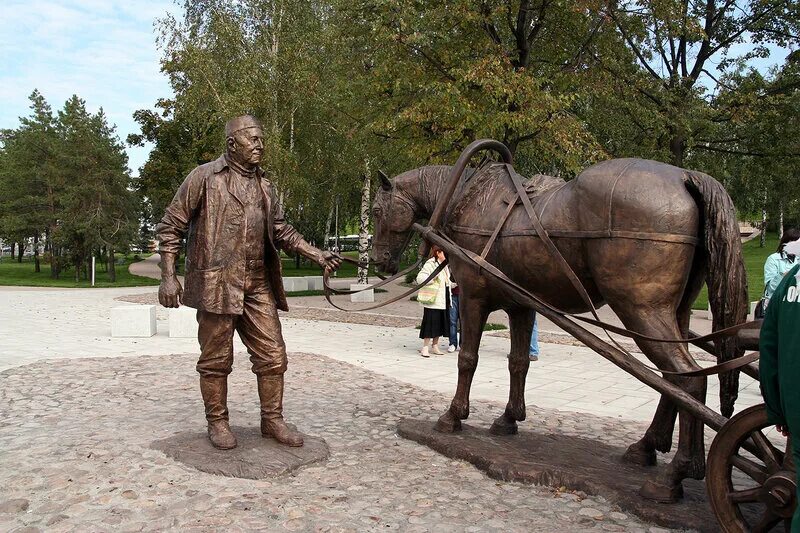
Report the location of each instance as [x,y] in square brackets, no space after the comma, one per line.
[133,321]
[365,296]
[295,284]
[183,322]
[314,283]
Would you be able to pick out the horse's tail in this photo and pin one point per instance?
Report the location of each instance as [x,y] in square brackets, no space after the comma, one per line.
[726,278]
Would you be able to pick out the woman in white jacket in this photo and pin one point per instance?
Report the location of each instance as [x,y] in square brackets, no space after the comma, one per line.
[434,298]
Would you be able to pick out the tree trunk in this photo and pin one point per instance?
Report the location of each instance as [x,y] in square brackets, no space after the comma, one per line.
[13,249]
[677,147]
[763,239]
[36,266]
[21,249]
[112,273]
[363,229]
[78,263]
[328,222]
[780,220]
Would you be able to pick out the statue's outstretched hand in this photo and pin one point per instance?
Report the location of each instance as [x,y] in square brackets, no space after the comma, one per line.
[170,292]
[330,261]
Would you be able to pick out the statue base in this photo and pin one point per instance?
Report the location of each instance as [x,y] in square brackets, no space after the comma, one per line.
[255,457]
[563,461]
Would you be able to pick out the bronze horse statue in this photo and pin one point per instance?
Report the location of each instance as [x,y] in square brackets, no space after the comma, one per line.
[641,236]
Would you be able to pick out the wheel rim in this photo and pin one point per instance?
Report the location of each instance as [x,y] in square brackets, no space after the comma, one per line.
[750,478]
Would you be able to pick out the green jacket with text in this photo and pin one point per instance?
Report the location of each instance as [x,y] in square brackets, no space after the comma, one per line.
[779,365]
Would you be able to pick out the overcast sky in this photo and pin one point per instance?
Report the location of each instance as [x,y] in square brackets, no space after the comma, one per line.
[102,50]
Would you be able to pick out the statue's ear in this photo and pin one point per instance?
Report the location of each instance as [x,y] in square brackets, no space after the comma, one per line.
[386,185]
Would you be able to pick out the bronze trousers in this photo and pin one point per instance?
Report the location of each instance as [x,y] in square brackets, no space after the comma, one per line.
[258,327]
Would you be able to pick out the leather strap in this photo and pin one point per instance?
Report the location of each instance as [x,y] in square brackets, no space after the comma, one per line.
[449,246]
[409,292]
[384,280]
[500,225]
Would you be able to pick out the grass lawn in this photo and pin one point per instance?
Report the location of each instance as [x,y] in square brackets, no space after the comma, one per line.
[754,258]
[22,274]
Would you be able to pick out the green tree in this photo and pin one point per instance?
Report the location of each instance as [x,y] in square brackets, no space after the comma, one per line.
[29,183]
[440,74]
[99,207]
[674,45]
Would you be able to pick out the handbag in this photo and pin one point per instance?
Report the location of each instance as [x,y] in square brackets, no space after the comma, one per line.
[761,306]
[428,293]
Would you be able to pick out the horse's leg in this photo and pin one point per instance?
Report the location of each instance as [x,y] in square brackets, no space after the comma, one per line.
[474,313]
[659,435]
[521,326]
[689,460]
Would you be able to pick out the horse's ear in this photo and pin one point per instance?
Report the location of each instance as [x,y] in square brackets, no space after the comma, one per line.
[386,185]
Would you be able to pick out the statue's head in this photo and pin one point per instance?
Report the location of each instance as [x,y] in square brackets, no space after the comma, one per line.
[244,140]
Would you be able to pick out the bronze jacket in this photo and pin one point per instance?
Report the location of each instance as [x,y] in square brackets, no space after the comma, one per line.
[208,210]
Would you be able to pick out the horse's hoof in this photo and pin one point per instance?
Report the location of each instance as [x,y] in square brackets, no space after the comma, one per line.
[448,423]
[636,454]
[503,426]
[459,411]
[657,492]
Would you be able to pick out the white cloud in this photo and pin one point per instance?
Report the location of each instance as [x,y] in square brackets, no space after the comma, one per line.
[103,51]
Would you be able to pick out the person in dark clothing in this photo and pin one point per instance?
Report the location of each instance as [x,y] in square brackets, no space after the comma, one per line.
[779,364]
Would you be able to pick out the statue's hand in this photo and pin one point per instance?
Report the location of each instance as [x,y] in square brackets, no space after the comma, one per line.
[170,292]
[330,261]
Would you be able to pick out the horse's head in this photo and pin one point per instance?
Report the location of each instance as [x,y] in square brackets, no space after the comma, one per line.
[393,213]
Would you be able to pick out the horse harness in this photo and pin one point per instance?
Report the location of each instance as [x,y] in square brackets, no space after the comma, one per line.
[520,196]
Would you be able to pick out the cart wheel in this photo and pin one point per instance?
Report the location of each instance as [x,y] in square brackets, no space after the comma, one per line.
[750,481]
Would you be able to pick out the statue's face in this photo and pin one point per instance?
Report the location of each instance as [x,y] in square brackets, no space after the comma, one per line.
[247,146]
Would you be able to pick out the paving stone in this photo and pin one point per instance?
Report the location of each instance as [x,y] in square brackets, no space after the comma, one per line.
[111,411]
[17,505]
[591,513]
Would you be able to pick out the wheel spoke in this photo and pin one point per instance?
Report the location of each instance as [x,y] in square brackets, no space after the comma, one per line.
[769,454]
[744,496]
[768,521]
[751,468]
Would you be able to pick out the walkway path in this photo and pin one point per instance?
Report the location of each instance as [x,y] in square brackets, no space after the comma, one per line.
[78,410]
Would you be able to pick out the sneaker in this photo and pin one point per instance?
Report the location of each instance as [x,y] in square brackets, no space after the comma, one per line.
[533,357]
[451,349]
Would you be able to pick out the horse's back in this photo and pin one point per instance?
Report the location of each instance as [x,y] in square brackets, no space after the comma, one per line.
[635,195]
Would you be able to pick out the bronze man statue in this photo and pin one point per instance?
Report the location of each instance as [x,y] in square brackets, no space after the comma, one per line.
[234,225]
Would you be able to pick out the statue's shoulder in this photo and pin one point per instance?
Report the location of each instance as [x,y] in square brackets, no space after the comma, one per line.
[208,170]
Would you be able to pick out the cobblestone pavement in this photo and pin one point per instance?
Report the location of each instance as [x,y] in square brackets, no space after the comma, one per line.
[75,436]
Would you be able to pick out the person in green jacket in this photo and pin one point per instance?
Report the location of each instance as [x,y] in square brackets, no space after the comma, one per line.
[779,364]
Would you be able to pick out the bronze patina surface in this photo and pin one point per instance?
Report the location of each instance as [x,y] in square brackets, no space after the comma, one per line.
[229,213]
[640,236]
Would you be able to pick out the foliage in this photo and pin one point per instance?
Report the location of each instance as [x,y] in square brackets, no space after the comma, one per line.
[440,74]
[345,86]
[659,77]
[65,177]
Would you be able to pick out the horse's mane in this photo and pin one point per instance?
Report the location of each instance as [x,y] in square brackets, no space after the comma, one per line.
[488,180]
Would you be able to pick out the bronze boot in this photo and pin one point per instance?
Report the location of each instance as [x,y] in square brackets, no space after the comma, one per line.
[270,391]
[215,397]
